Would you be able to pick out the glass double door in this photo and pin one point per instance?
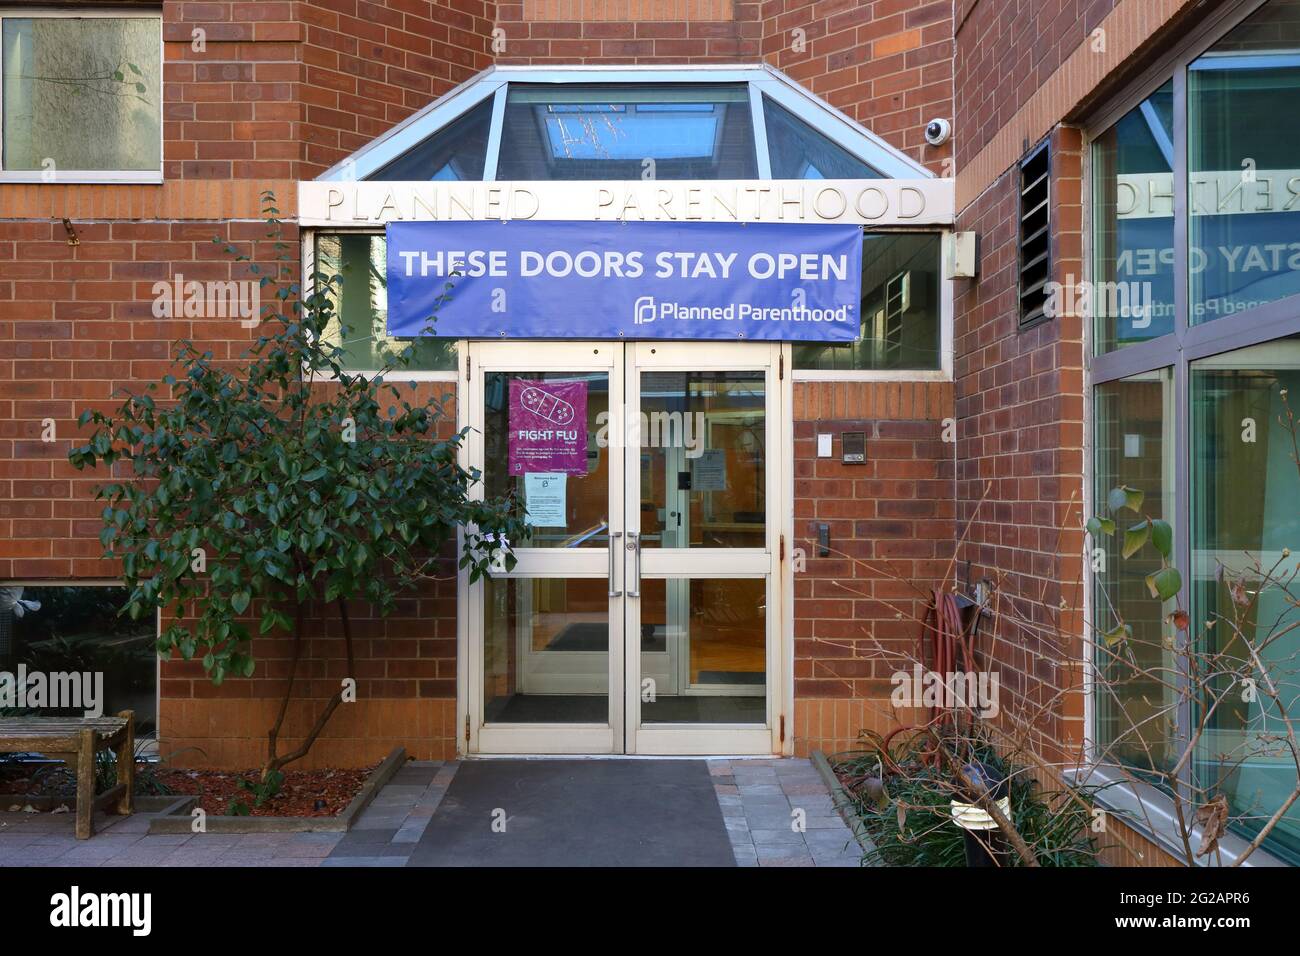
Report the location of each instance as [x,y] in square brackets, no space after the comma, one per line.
[640,617]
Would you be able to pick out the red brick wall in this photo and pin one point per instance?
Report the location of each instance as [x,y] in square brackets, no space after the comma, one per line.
[231,109]
[886,63]
[368,66]
[406,690]
[76,324]
[1019,403]
[285,89]
[858,611]
[1005,52]
[598,37]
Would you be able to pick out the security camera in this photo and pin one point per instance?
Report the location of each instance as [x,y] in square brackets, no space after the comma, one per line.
[937,132]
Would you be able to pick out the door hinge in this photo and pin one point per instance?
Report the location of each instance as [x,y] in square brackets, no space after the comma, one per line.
[469,368]
[780,367]
[782,728]
[780,554]
[467,728]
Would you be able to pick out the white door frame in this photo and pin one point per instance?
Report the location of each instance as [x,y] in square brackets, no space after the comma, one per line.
[773,561]
[477,359]
[712,563]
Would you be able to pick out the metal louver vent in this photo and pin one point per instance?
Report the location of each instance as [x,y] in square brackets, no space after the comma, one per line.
[1035,262]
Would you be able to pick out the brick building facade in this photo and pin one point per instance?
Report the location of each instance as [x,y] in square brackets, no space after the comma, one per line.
[260,96]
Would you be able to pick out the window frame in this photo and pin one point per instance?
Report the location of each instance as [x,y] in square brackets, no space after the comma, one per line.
[156,737]
[307,251]
[1177,350]
[76,176]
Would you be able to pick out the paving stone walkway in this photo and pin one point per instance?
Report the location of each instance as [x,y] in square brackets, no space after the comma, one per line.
[775,813]
[780,813]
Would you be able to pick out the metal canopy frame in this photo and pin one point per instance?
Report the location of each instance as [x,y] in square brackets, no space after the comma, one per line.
[761,80]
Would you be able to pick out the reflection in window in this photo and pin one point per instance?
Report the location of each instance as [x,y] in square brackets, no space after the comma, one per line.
[703,459]
[80,630]
[546,650]
[1133,231]
[361,307]
[900,309]
[1245,490]
[81,93]
[798,151]
[1135,701]
[456,152]
[704,645]
[1241,157]
[627,132]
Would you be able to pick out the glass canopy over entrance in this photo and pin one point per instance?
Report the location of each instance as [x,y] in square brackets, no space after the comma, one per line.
[584,124]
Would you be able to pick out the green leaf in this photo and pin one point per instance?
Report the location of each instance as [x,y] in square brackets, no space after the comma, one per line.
[1100,526]
[1121,632]
[239,601]
[1125,497]
[1162,536]
[1165,583]
[1135,537]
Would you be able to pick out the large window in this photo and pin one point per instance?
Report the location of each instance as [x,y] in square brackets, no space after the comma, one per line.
[81,97]
[75,642]
[1132,446]
[1243,162]
[1245,596]
[1194,412]
[1133,202]
[901,310]
[359,325]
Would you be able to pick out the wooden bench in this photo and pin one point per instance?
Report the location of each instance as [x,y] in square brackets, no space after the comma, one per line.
[77,740]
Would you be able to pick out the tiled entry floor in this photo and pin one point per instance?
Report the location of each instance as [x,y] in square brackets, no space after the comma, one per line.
[605,813]
[556,812]
[763,800]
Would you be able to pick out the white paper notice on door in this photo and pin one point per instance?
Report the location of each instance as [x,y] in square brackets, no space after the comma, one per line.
[544,499]
[709,471]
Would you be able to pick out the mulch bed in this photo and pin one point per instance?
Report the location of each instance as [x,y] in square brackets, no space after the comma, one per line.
[305,793]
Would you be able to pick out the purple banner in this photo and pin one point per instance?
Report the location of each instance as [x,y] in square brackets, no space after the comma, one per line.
[548,427]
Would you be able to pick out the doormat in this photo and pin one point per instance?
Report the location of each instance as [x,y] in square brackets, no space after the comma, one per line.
[577,813]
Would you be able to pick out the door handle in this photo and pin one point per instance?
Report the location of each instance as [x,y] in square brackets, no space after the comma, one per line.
[613,547]
[634,545]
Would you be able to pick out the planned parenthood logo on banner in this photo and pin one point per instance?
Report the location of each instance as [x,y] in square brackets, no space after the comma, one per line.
[603,280]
